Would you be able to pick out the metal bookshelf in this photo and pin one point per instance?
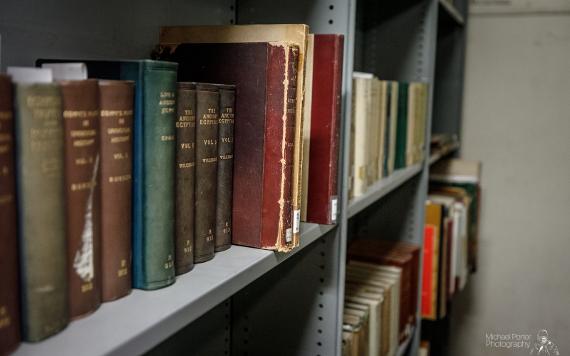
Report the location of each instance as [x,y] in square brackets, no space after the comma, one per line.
[248,301]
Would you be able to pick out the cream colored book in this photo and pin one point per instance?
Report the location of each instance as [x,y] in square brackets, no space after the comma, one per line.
[411,136]
[393,118]
[172,36]
[373,131]
[356,326]
[360,109]
[374,302]
[382,117]
[307,105]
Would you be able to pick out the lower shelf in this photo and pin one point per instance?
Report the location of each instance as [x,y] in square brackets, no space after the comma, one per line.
[138,322]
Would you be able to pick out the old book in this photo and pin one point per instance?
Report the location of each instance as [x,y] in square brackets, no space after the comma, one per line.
[360,152]
[401,126]
[382,129]
[325,132]
[417,116]
[263,136]
[364,316]
[40,170]
[154,159]
[429,274]
[375,303]
[225,167]
[207,116]
[185,175]
[348,349]
[294,35]
[307,118]
[357,326]
[393,123]
[116,102]
[373,138]
[80,104]
[9,283]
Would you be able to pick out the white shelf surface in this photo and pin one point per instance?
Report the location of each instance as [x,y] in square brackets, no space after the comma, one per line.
[452,11]
[436,156]
[382,187]
[140,321]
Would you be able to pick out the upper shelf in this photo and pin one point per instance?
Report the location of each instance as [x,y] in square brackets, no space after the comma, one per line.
[140,321]
[451,11]
[381,188]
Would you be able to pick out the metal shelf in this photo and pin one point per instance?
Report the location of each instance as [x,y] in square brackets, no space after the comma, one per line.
[140,321]
[404,345]
[452,12]
[382,187]
[436,156]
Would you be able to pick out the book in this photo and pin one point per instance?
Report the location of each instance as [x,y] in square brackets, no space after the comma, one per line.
[360,132]
[80,105]
[401,126]
[429,294]
[294,35]
[207,116]
[9,283]
[263,135]
[40,172]
[417,117]
[116,103]
[154,149]
[225,167]
[185,175]
[393,123]
[357,326]
[307,118]
[325,132]
[375,302]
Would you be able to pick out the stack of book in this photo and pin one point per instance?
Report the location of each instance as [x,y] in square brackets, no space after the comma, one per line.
[381,296]
[450,233]
[127,172]
[388,129]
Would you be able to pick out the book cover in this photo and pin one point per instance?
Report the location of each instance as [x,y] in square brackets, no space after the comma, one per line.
[9,283]
[325,132]
[116,103]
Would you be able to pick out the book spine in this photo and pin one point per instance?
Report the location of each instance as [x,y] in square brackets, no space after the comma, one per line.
[39,147]
[207,115]
[9,287]
[185,170]
[277,230]
[225,168]
[155,141]
[116,132]
[402,126]
[80,103]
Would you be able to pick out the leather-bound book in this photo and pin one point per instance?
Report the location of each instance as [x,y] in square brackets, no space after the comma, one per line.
[263,136]
[325,129]
[116,100]
[80,104]
[9,288]
[207,116]
[225,167]
[185,171]
[154,162]
[41,202]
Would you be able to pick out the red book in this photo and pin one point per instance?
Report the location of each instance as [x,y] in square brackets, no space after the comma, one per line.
[325,129]
[428,294]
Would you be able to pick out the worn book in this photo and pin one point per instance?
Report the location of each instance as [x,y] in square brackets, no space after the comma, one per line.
[207,116]
[307,118]
[80,104]
[154,149]
[39,146]
[224,192]
[292,34]
[325,132]
[185,175]
[116,103]
[9,283]
[360,132]
[264,75]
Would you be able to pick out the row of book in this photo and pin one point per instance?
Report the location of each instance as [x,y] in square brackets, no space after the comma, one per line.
[388,129]
[125,180]
[450,233]
[380,296]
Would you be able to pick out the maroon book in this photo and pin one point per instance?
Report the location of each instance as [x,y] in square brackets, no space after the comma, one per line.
[264,74]
[9,306]
[325,129]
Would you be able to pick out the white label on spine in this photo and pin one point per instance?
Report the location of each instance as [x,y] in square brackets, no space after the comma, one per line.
[288,235]
[333,209]
[296,221]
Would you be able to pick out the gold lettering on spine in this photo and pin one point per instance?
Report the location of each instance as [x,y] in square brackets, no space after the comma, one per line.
[123,270]
[118,179]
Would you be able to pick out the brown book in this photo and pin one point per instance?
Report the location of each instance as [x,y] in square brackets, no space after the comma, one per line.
[185,171]
[116,100]
[207,116]
[225,167]
[9,288]
[80,101]
[264,74]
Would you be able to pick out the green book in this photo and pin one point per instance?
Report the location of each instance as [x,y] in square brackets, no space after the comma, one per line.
[402,126]
[41,204]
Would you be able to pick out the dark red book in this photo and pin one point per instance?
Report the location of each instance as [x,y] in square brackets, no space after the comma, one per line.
[264,74]
[325,129]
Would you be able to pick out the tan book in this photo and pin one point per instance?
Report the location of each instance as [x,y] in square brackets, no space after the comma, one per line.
[296,34]
[356,326]
[361,110]
[373,131]
[382,117]
[393,124]
[347,344]
[375,302]
[307,105]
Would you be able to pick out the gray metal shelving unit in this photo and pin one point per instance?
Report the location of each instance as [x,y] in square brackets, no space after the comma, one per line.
[248,301]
